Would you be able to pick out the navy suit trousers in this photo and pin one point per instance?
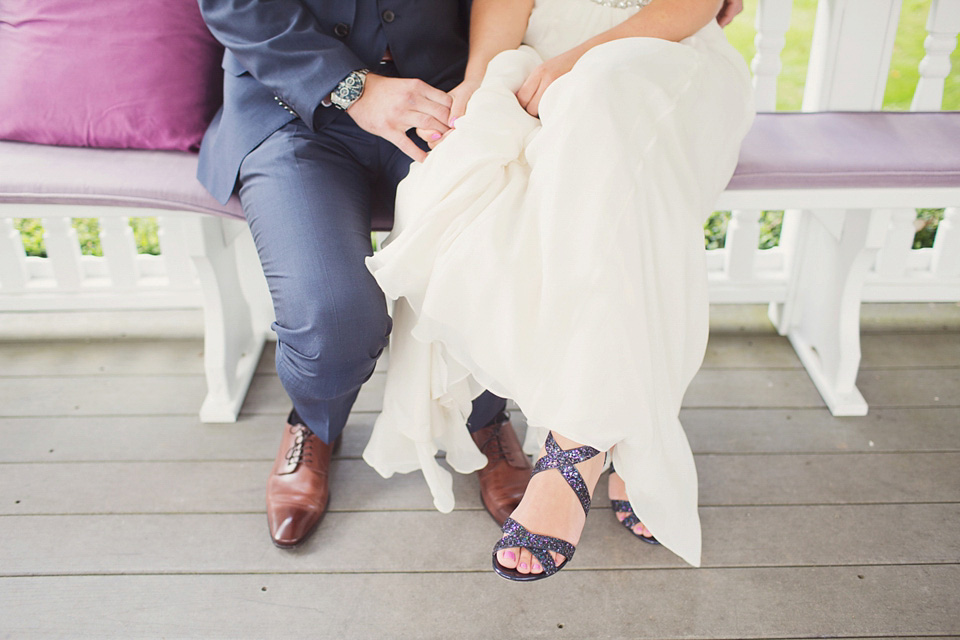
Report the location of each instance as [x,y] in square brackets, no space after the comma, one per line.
[307,197]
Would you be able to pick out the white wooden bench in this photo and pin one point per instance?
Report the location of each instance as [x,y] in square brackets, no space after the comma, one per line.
[843,241]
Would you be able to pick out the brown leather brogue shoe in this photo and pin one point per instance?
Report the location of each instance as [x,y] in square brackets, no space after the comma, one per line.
[505,478]
[298,489]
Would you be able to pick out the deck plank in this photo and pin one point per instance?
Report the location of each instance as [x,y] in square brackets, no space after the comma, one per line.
[238,487]
[765,351]
[185,356]
[255,436]
[182,395]
[800,536]
[156,438]
[668,603]
[103,357]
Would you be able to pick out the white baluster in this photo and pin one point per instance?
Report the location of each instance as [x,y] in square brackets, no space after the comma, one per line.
[120,251]
[943,24]
[740,246]
[13,258]
[892,258]
[773,19]
[63,250]
[946,245]
[181,274]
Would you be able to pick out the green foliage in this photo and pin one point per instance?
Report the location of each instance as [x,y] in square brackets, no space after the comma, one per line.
[31,230]
[88,235]
[770,223]
[927,222]
[715,229]
[145,233]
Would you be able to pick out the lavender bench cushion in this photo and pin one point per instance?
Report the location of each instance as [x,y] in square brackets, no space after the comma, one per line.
[40,174]
[850,150]
[782,151]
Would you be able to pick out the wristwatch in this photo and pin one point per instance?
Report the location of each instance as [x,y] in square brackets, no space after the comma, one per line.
[349,90]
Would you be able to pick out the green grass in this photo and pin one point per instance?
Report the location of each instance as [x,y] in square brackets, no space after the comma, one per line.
[908,51]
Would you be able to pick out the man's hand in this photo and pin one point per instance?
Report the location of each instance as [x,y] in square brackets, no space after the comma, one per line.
[460,95]
[389,107]
[729,10]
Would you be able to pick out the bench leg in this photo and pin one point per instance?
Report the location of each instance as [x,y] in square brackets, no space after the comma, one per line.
[821,316]
[233,335]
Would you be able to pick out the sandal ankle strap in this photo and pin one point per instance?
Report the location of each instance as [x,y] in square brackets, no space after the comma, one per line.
[564,461]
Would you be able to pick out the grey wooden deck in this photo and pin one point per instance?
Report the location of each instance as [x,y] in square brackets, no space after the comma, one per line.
[122,516]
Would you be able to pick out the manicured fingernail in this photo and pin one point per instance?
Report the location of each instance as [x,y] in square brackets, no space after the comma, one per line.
[510,555]
[435,136]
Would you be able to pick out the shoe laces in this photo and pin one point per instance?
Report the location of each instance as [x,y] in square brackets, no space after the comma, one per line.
[493,446]
[302,449]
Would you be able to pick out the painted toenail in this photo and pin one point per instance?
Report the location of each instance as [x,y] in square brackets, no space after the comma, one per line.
[510,555]
[523,565]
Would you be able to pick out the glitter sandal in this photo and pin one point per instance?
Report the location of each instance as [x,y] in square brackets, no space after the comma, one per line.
[516,535]
[623,506]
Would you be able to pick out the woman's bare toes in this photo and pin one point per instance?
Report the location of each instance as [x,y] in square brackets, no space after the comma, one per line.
[508,558]
[526,561]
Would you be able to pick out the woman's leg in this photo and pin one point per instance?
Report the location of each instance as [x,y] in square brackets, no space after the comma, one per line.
[549,507]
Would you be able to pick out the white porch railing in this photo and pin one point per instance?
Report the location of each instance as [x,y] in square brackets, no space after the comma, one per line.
[121,279]
[847,73]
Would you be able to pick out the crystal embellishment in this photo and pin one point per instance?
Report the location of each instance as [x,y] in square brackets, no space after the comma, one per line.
[622,4]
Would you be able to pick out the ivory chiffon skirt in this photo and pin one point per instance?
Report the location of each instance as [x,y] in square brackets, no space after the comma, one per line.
[559,261]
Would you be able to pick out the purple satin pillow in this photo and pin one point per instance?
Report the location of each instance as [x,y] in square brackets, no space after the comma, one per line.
[141,74]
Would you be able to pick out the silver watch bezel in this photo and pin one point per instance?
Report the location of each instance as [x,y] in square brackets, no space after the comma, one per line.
[349,89]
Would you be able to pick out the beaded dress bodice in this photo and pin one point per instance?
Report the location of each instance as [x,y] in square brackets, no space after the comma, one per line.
[622,4]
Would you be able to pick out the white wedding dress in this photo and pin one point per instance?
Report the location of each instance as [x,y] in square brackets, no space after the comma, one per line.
[560,261]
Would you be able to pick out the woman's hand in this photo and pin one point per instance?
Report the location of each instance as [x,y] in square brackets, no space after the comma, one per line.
[460,95]
[729,10]
[543,76]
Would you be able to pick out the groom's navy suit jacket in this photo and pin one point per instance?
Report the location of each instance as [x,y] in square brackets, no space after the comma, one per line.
[284,56]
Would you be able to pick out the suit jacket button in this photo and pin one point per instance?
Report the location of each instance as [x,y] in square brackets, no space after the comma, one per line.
[388,16]
[341,30]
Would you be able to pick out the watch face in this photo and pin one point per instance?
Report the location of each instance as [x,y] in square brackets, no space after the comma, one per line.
[349,89]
